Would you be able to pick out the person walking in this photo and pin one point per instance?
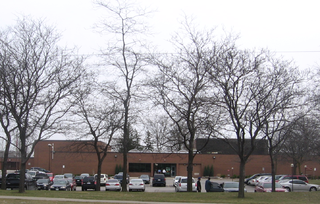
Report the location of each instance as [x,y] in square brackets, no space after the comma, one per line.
[199,185]
[208,185]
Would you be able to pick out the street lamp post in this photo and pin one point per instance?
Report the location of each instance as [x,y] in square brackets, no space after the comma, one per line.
[49,145]
[232,172]
[292,166]
[305,170]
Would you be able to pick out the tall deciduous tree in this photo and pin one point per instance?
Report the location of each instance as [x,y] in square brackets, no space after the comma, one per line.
[306,131]
[285,81]
[181,88]
[158,130]
[37,77]
[250,89]
[124,58]
[99,118]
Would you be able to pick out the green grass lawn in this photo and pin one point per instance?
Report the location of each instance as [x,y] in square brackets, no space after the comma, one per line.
[274,198]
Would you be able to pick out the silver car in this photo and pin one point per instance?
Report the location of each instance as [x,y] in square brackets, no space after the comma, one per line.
[175,180]
[113,185]
[231,187]
[299,185]
[182,185]
[137,185]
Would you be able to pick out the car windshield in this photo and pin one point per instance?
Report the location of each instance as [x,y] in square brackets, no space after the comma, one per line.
[136,181]
[269,185]
[185,180]
[112,181]
[59,182]
[42,181]
[144,176]
[231,185]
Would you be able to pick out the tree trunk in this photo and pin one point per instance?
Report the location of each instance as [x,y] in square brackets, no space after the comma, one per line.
[4,165]
[22,168]
[125,146]
[99,175]
[241,178]
[189,171]
[273,172]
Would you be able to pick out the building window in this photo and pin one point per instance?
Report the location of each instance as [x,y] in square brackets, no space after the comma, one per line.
[139,167]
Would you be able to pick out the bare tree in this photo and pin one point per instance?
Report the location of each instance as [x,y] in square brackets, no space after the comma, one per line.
[37,77]
[250,88]
[283,93]
[181,89]
[124,55]
[158,129]
[306,131]
[99,118]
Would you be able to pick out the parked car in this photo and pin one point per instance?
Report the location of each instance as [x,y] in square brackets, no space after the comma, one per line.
[299,185]
[41,176]
[261,179]
[39,169]
[145,178]
[267,187]
[175,180]
[159,180]
[103,179]
[13,181]
[60,185]
[182,185]
[44,184]
[59,177]
[72,183]
[216,187]
[89,182]
[78,180]
[120,177]
[69,175]
[84,174]
[290,177]
[246,181]
[50,176]
[231,186]
[32,173]
[113,185]
[136,185]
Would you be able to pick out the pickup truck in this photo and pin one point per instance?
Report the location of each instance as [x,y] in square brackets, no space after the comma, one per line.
[13,180]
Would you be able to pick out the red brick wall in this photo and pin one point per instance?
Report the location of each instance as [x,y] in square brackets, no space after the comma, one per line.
[78,163]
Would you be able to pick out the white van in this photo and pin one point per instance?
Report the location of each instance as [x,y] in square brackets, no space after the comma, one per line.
[103,179]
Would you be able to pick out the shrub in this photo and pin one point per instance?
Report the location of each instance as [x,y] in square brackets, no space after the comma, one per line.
[208,171]
[118,168]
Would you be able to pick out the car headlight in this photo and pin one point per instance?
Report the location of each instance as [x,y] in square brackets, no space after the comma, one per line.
[62,187]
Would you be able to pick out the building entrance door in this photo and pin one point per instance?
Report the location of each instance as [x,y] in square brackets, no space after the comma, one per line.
[168,170]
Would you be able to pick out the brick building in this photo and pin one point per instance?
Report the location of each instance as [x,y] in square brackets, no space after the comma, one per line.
[61,156]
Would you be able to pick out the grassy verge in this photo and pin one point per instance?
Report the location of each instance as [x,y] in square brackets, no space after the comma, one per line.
[274,198]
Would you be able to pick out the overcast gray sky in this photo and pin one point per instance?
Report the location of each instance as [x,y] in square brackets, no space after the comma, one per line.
[287,27]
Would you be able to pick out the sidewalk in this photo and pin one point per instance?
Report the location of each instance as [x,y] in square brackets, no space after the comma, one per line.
[84,201]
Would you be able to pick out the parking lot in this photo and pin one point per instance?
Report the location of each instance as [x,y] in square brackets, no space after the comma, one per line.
[169,187]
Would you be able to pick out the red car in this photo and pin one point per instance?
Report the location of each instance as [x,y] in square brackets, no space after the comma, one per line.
[72,183]
[267,187]
[50,176]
